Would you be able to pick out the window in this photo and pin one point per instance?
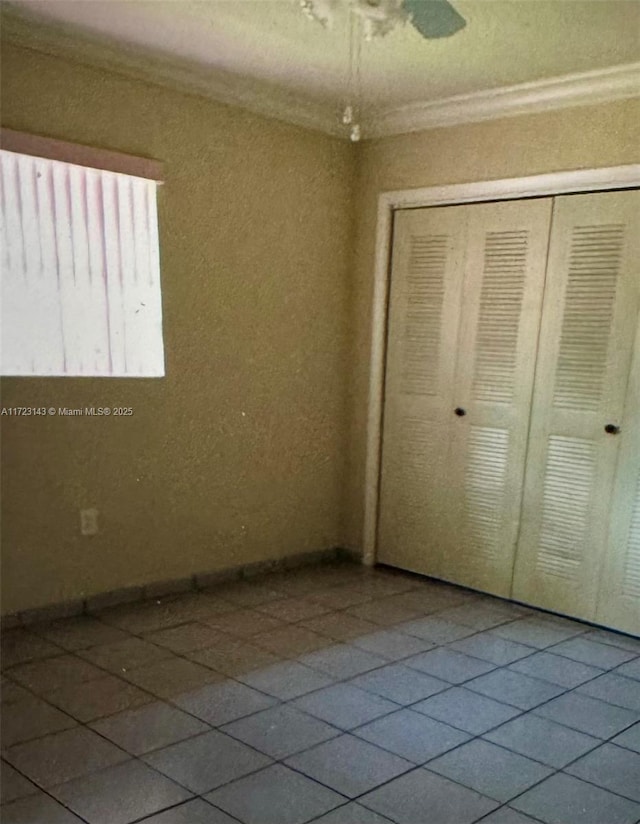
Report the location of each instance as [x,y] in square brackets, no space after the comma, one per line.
[80,267]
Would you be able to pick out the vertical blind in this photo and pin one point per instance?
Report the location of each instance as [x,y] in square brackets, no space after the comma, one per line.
[80,271]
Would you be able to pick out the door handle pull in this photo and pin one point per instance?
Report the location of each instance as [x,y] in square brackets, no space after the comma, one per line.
[460,412]
[611,429]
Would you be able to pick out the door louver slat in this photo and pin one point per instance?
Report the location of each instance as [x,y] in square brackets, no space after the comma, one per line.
[503,285]
[488,453]
[631,580]
[423,319]
[594,265]
[565,505]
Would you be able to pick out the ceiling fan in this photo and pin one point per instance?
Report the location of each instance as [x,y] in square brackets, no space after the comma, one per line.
[433,19]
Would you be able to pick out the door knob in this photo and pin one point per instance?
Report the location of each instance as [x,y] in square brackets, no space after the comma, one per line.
[611,429]
[460,412]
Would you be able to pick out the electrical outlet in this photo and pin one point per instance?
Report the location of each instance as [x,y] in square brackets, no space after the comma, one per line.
[88,521]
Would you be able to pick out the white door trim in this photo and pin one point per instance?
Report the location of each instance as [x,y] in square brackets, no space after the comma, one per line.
[554,183]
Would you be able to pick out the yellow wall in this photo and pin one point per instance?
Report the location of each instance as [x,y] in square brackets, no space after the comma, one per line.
[605,135]
[264,315]
[238,454]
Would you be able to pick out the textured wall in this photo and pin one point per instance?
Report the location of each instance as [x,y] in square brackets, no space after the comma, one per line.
[238,454]
[606,135]
[261,318]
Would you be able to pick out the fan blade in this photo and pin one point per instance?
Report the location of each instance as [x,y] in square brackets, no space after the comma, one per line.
[434,18]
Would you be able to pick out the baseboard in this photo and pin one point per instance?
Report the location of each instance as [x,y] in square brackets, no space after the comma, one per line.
[345,554]
[160,589]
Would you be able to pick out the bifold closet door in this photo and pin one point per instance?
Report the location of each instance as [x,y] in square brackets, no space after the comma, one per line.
[619,597]
[466,292]
[589,325]
[506,251]
[424,311]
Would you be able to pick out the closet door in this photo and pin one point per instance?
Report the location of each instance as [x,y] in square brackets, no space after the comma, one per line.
[619,597]
[506,250]
[424,311]
[588,329]
[466,292]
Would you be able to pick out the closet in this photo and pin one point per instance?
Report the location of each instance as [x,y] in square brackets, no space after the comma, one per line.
[511,431]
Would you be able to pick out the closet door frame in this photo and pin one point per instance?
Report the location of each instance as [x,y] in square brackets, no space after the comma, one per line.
[554,183]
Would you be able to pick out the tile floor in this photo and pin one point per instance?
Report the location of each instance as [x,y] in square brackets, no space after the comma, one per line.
[333,694]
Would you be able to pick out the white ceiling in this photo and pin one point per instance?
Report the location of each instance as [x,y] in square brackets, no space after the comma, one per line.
[505,42]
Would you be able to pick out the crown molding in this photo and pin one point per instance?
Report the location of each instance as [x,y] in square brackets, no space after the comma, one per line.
[263,98]
[579,89]
[257,96]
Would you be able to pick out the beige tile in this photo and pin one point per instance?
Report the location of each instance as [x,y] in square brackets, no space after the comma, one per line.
[78,633]
[294,609]
[444,597]
[125,655]
[326,575]
[223,702]
[197,606]
[353,572]
[248,593]
[120,794]
[424,601]
[383,613]
[341,626]
[196,811]
[32,718]
[172,676]
[186,637]
[286,680]
[146,616]
[37,809]
[244,623]
[13,785]
[344,706]
[350,766]
[291,641]
[63,756]
[294,583]
[342,661]
[149,728]
[280,731]
[384,586]
[233,657]
[391,645]
[19,646]
[340,597]
[55,673]
[98,698]
[273,789]
[207,761]
[10,692]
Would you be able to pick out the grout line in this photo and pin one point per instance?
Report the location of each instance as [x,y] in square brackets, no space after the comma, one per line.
[40,789]
[345,680]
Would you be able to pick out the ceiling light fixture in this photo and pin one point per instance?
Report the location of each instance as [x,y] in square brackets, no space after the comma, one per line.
[370,19]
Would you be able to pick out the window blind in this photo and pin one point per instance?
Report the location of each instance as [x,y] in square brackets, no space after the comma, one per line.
[80,271]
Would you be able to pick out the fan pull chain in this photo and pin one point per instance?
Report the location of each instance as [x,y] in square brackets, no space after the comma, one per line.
[351,109]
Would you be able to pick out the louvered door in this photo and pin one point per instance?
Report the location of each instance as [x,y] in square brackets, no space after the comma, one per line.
[502,298]
[619,597]
[588,327]
[452,485]
[424,310]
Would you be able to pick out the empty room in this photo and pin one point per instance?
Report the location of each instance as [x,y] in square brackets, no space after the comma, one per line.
[320,411]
